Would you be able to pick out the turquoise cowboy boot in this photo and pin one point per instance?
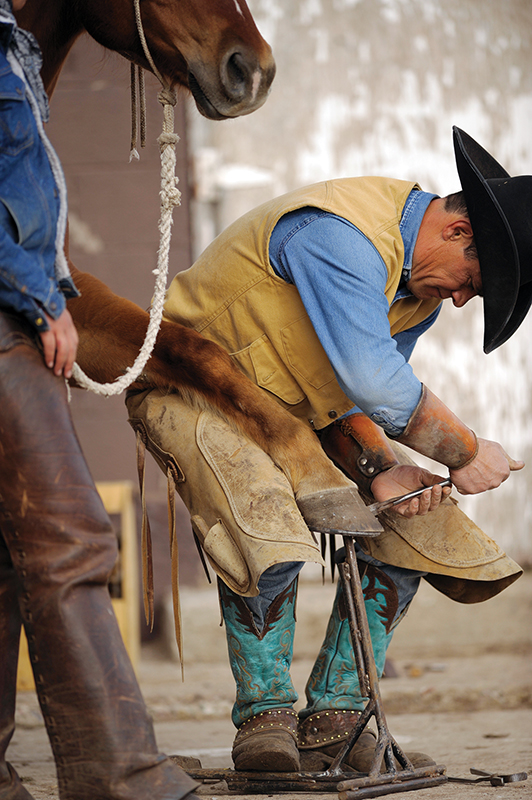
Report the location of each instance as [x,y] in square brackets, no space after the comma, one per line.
[334,699]
[260,661]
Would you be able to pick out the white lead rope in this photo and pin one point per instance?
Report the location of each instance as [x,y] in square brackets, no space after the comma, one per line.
[170,197]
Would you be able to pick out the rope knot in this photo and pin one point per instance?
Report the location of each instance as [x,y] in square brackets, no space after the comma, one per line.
[170,197]
[167,97]
[167,138]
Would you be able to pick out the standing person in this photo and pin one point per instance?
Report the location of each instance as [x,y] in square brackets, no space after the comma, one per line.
[57,548]
[320,296]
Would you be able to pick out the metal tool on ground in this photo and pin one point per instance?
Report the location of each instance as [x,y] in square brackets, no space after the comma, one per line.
[495,778]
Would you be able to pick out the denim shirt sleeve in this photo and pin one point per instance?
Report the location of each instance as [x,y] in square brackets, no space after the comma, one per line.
[28,210]
[341,279]
[406,340]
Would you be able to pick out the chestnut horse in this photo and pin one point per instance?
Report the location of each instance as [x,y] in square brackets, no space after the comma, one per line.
[214,50]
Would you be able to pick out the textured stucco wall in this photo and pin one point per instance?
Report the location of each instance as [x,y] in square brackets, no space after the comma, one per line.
[374,87]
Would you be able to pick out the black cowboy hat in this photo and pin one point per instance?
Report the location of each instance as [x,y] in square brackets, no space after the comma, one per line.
[500,211]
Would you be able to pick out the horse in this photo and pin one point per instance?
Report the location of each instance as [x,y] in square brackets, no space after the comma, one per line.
[215,52]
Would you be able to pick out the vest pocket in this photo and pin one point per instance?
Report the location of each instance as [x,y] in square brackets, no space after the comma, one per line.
[305,353]
[263,365]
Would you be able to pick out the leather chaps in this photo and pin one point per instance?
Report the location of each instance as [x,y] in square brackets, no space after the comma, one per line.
[57,550]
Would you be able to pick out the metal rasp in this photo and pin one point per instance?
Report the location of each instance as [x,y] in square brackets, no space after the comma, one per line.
[376,508]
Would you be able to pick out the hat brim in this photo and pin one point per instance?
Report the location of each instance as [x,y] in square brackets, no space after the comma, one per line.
[496,246]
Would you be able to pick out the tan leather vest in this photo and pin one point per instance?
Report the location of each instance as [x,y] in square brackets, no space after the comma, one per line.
[233,296]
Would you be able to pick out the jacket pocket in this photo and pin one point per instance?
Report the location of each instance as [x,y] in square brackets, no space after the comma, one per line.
[263,365]
[17,124]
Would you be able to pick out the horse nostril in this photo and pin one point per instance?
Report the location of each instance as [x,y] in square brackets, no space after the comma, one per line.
[236,76]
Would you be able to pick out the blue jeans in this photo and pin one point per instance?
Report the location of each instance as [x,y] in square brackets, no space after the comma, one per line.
[277,578]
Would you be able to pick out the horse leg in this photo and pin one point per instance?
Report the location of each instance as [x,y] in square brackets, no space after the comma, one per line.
[111,332]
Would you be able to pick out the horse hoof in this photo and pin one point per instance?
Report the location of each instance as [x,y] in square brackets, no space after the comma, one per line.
[339,511]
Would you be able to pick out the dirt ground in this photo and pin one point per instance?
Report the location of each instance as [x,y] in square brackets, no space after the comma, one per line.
[462,693]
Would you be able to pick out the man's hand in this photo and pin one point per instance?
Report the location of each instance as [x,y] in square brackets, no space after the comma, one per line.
[404,478]
[490,467]
[60,344]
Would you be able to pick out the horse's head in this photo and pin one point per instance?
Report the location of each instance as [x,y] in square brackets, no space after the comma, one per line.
[212,47]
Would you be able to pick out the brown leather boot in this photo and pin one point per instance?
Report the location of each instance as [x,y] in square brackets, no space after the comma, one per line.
[62,550]
[267,742]
[326,731]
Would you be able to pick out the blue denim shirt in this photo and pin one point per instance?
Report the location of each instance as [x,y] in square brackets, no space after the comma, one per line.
[29,207]
[341,279]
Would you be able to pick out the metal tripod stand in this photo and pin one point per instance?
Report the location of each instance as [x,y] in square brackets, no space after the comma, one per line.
[392,780]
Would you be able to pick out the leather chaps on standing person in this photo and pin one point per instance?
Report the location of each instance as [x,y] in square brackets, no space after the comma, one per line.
[57,550]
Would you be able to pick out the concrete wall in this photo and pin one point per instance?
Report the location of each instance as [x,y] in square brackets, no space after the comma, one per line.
[374,87]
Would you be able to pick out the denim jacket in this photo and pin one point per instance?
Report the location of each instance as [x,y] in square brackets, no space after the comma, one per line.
[29,207]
